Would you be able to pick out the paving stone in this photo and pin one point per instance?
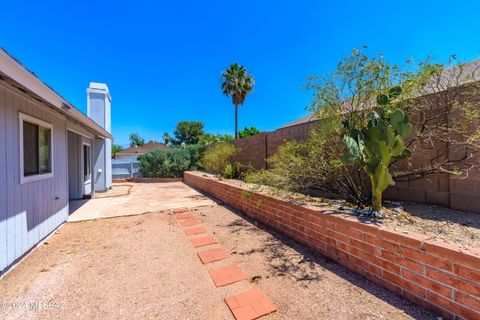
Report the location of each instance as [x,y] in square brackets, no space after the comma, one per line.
[189,222]
[203,241]
[180,210]
[196,230]
[212,255]
[227,275]
[183,215]
[250,305]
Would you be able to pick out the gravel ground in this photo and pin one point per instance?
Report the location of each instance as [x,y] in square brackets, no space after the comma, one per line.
[139,267]
[143,267]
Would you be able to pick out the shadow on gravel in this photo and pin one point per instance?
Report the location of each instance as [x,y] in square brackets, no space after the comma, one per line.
[282,263]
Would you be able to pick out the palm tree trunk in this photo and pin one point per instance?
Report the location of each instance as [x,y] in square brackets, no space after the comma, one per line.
[236,121]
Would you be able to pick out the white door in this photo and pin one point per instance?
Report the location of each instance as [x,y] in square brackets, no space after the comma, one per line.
[86,169]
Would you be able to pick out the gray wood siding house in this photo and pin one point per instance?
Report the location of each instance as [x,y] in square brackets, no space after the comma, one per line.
[50,154]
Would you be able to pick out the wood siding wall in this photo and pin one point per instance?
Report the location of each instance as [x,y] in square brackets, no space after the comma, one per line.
[74,183]
[29,211]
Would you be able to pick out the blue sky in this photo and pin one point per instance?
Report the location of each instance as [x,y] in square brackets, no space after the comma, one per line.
[162,59]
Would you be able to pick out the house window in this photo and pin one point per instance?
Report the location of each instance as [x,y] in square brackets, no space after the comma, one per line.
[35,149]
[86,163]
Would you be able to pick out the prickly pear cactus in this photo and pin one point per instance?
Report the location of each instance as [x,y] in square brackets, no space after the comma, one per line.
[376,145]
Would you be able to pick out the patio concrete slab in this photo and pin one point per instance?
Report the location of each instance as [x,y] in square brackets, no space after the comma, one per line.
[142,198]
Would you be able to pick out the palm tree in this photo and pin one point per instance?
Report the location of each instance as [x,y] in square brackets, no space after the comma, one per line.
[237,83]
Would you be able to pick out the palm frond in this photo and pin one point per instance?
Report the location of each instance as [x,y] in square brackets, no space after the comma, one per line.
[237,83]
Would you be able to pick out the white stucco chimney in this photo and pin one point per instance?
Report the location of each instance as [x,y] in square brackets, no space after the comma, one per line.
[99,110]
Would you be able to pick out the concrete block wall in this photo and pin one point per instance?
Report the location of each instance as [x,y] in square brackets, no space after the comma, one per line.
[253,150]
[256,149]
[441,189]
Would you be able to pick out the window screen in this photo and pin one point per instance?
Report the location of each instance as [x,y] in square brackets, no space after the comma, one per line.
[37,146]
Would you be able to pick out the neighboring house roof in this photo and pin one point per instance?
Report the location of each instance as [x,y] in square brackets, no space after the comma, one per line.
[17,75]
[138,150]
[308,118]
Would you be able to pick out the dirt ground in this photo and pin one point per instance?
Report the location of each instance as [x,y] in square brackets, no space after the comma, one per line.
[144,267]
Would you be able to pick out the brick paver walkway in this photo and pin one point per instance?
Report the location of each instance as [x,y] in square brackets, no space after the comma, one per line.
[183,215]
[212,255]
[189,222]
[203,241]
[196,230]
[227,275]
[248,305]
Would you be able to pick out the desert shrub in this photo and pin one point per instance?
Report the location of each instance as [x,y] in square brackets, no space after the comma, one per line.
[195,151]
[231,171]
[165,163]
[313,164]
[441,101]
[219,159]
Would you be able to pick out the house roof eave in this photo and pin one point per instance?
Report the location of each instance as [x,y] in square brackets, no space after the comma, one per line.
[32,85]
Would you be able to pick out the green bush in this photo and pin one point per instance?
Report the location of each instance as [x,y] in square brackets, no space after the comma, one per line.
[313,164]
[219,159]
[165,163]
[196,152]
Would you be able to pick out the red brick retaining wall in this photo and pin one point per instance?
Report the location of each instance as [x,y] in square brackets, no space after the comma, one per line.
[146,180]
[442,278]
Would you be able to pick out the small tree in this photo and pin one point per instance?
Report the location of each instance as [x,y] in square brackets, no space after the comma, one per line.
[366,97]
[187,132]
[442,101]
[366,94]
[247,132]
[116,148]
[136,140]
[237,83]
